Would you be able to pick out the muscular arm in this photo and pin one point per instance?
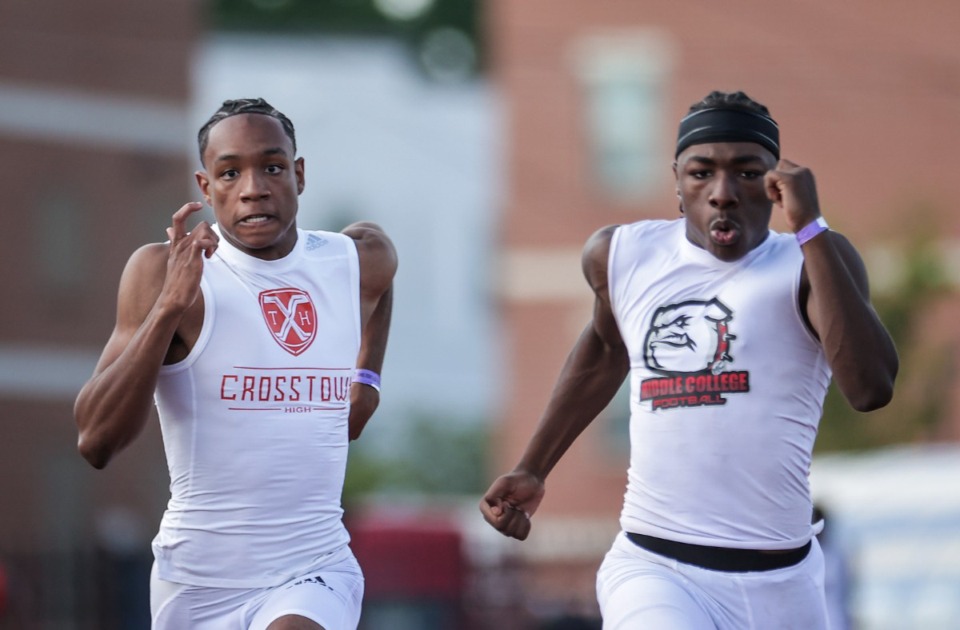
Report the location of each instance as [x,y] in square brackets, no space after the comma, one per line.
[590,377]
[835,296]
[857,346]
[378,265]
[158,285]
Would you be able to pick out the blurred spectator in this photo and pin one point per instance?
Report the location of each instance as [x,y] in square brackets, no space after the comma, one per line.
[3,589]
[836,573]
[125,562]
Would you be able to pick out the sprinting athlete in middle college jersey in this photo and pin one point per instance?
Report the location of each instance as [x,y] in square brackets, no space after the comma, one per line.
[730,333]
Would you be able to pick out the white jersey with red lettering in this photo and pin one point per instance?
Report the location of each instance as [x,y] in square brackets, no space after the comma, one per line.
[726,389]
[255,419]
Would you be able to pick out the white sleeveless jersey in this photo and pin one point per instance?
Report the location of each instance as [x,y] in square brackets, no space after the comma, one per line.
[254,420]
[726,389]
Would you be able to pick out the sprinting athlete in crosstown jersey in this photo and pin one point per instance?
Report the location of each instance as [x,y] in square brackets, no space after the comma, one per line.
[730,333]
[261,344]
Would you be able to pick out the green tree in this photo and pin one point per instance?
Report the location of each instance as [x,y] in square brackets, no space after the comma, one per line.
[926,366]
[431,457]
[436,32]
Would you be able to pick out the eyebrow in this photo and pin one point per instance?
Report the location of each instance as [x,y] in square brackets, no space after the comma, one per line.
[267,152]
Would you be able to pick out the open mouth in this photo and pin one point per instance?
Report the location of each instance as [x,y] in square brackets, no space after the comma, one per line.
[255,219]
[724,232]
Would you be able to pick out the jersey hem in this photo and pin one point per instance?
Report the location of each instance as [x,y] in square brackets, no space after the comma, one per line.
[168,573]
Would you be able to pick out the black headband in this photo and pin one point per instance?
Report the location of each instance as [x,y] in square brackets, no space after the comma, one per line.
[728,125]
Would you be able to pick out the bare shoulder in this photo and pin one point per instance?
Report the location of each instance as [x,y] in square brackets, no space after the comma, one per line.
[144,274]
[378,256]
[596,253]
[844,247]
[152,256]
[851,259]
[370,239]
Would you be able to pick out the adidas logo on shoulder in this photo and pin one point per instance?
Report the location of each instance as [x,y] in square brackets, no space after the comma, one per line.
[315,242]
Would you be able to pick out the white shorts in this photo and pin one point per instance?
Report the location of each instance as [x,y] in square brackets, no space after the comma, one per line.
[637,588]
[330,596]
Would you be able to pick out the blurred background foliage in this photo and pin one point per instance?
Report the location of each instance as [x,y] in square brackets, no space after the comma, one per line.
[444,37]
[433,457]
[908,308]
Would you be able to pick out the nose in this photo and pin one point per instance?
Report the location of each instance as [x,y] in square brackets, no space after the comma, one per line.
[254,186]
[724,194]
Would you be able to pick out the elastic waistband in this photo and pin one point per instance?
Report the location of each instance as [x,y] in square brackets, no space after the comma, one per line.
[721,558]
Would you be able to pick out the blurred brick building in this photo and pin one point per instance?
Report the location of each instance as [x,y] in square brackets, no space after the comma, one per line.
[866,94]
[92,141]
[93,125]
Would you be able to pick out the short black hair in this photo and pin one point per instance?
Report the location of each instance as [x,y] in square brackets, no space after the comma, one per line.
[244,106]
[729,100]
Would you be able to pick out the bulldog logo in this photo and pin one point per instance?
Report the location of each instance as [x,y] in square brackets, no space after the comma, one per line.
[689,337]
[688,345]
[291,318]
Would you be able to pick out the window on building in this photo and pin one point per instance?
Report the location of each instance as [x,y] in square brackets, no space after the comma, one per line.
[623,80]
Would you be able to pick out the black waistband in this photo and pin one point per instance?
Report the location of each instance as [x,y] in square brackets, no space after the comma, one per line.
[721,558]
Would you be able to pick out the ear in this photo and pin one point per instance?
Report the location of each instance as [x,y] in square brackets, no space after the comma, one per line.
[298,169]
[203,182]
[676,177]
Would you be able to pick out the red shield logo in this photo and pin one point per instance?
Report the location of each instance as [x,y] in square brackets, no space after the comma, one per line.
[291,318]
